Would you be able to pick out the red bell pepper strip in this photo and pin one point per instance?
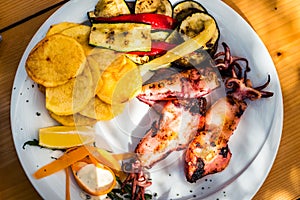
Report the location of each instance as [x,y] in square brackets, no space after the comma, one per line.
[157,21]
[157,48]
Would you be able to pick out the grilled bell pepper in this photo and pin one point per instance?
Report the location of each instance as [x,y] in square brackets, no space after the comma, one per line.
[157,21]
[157,48]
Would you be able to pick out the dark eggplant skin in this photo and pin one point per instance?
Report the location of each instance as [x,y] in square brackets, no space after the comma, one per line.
[184,8]
[191,25]
[185,13]
[181,33]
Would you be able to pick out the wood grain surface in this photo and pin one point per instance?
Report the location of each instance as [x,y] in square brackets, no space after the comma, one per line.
[277,22]
[13,11]
[278,25]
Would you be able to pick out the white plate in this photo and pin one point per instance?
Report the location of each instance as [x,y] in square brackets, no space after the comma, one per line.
[254,144]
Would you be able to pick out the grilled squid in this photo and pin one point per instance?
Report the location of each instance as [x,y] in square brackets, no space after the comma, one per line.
[186,123]
[188,84]
[208,152]
[178,123]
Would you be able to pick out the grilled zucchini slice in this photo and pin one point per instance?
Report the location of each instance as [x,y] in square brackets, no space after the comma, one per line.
[91,15]
[163,7]
[110,8]
[123,37]
[160,35]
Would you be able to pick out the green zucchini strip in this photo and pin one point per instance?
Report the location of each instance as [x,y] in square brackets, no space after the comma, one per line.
[123,37]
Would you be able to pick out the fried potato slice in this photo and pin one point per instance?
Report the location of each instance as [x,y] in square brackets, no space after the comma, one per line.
[77,31]
[121,81]
[96,74]
[73,120]
[55,60]
[100,110]
[41,88]
[71,97]
[80,33]
[104,57]
[59,27]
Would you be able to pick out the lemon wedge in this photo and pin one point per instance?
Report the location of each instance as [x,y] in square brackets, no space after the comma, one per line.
[63,137]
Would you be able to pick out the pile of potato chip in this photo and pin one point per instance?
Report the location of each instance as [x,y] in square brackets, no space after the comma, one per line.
[82,84]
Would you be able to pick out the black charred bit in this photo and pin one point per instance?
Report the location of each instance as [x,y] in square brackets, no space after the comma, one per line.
[224,151]
[199,171]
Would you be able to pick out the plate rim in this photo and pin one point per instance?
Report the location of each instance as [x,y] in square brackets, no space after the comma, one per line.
[46,23]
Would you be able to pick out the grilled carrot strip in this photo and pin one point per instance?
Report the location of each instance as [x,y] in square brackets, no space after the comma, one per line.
[68,196]
[76,154]
[70,157]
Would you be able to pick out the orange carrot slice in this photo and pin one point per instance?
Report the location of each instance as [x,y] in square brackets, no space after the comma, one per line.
[68,195]
[71,156]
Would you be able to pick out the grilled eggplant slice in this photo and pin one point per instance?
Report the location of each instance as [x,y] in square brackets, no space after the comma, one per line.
[194,25]
[191,60]
[124,37]
[174,37]
[110,8]
[163,7]
[186,8]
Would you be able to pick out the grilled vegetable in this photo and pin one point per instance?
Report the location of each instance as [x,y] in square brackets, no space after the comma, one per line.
[71,156]
[91,15]
[174,37]
[212,45]
[186,8]
[187,47]
[157,21]
[194,25]
[110,8]
[158,48]
[160,35]
[123,37]
[138,59]
[154,6]
[193,59]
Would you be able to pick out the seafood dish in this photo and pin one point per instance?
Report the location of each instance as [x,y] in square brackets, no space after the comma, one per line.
[170,60]
[205,132]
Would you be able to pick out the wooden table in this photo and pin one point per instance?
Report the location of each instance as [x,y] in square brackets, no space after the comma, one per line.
[277,22]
